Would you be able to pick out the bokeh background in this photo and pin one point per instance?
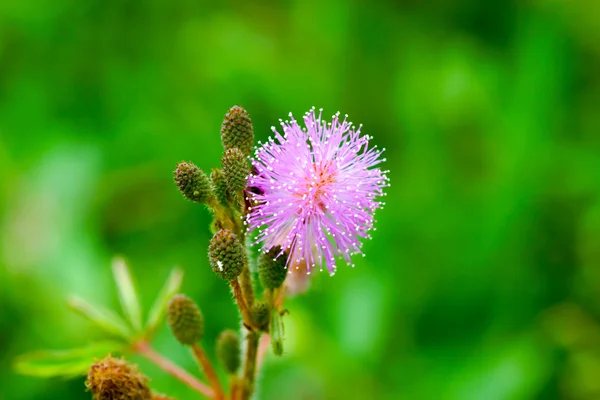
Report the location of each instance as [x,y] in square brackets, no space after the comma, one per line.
[483,277]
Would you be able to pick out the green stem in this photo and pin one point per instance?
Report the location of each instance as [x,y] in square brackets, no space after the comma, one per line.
[144,349]
[250,365]
[242,305]
[247,289]
[209,371]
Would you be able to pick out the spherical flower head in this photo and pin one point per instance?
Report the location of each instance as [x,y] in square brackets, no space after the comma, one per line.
[226,255]
[185,320]
[112,378]
[318,187]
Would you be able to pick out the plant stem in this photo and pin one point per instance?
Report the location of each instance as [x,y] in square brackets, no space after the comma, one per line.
[247,289]
[263,347]
[209,371]
[239,298]
[144,349]
[250,365]
[234,387]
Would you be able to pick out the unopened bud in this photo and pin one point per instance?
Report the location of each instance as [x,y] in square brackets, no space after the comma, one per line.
[185,319]
[237,131]
[235,170]
[113,378]
[261,315]
[193,183]
[219,186]
[272,269]
[228,350]
[226,255]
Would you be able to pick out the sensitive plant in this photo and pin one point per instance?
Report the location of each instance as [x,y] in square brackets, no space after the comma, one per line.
[306,198]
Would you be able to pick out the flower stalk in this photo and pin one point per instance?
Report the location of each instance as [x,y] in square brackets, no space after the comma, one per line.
[145,350]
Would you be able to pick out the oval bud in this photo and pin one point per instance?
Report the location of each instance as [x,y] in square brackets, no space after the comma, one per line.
[228,351]
[226,255]
[261,315]
[235,170]
[219,186]
[237,130]
[185,320]
[193,183]
[272,269]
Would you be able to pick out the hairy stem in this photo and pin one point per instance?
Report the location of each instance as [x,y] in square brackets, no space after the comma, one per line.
[208,370]
[234,387]
[247,289]
[263,347]
[250,365]
[144,349]
[244,309]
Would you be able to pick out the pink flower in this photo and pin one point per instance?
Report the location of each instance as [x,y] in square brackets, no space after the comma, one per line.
[316,191]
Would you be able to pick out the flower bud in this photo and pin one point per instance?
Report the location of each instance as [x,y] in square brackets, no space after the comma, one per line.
[235,170]
[226,255]
[185,319]
[237,131]
[112,378]
[261,315]
[272,268]
[228,351]
[193,183]
[219,186]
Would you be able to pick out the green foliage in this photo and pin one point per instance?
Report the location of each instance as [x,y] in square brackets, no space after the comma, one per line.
[159,309]
[64,363]
[489,114]
[127,294]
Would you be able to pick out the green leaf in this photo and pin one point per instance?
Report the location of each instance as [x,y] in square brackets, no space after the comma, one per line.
[103,318]
[64,363]
[127,293]
[277,332]
[170,288]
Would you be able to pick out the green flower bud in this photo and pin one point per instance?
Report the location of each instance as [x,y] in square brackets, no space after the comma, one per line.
[228,350]
[226,255]
[237,131]
[271,268]
[185,319]
[113,378]
[193,183]
[235,170]
[261,315]
[219,186]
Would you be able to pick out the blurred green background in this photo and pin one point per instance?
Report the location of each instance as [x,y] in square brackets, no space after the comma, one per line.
[483,277]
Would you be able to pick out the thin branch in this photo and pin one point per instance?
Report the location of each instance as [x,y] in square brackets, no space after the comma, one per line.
[250,365]
[144,349]
[263,347]
[244,310]
[209,371]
